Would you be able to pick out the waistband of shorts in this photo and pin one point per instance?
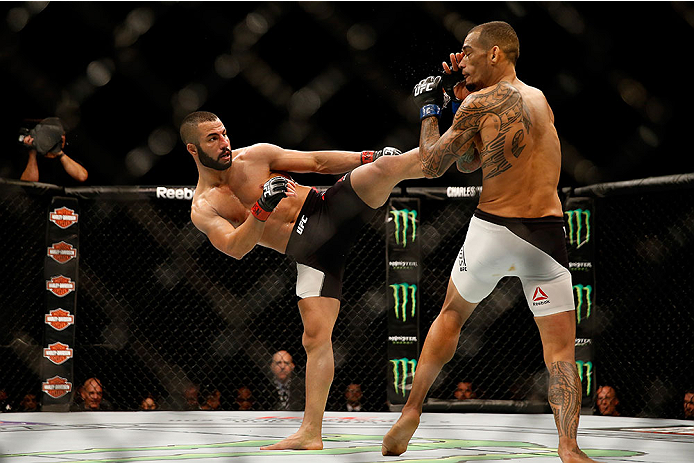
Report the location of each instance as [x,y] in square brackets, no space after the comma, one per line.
[504,221]
[309,205]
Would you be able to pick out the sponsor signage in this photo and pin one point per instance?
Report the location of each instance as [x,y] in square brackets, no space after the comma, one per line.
[403,370]
[463,191]
[60,285]
[580,229]
[58,353]
[56,387]
[63,217]
[62,252]
[403,257]
[404,300]
[175,193]
[61,264]
[59,319]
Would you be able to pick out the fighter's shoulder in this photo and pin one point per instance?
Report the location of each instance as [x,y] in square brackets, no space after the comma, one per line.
[260,150]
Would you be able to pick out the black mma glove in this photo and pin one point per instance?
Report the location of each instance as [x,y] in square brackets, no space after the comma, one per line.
[428,96]
[273,191]
[448,82]
[371,156]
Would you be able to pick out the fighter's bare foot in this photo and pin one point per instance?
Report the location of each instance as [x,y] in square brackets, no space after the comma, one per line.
[297,441]
[574,455]
[395,441]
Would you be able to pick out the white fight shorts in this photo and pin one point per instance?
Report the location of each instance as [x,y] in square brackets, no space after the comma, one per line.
[534,250]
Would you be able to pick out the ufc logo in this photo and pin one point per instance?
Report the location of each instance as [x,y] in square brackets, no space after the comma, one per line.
[426,85]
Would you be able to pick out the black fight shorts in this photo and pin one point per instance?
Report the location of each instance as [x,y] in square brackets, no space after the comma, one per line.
[324,232]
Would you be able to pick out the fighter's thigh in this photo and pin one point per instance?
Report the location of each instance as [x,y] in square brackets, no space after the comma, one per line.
[547,296]
[476,271]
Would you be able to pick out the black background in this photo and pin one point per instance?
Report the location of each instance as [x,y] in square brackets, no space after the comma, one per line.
[614,74]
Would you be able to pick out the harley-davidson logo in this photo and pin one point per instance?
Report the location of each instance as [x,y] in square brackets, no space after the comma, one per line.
[62,252]
[58,353]
[63,217]
[60,285]
[56,387]
[59,319]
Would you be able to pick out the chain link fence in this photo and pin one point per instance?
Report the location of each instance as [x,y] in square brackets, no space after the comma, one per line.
[159,310]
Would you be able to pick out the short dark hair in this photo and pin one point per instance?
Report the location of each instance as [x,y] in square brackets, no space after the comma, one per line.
[501,34]
[188,130]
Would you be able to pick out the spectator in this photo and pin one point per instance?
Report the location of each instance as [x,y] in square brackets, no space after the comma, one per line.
[4,402]
[92,395]
[353,396]
[464,391]
[607,401]
[192,397]
[689,404]
[245,399]
[148,403]
[46,142]
[287,389]
[213,400]
[29,403]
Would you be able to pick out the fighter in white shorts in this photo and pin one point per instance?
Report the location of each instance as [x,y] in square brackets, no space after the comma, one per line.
[534,250]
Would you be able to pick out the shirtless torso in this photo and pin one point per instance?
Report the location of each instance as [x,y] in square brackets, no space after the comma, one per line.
[240,188]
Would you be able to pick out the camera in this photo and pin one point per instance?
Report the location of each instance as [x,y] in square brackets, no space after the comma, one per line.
[47,136]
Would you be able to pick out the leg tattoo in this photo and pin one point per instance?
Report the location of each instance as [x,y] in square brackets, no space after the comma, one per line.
[565,397]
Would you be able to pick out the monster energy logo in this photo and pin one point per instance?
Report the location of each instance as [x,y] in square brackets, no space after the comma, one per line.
[405,226]
[402,369]
[588,374]
[584,301]
[579,226]
[404,297]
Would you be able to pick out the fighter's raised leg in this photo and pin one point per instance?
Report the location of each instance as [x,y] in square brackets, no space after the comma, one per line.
[374,182]
[439,347]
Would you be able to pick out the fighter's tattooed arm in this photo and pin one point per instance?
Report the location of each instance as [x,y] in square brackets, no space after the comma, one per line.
[501,109]
[470,161]
[565,397]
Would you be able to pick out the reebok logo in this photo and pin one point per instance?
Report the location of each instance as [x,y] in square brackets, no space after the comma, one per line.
[302,223]
[539,297]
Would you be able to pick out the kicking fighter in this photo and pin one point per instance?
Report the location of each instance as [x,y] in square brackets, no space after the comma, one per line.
[507,128]
[244,198]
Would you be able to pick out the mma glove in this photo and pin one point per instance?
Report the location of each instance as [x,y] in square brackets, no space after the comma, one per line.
[448,82]
[428,96]
[371,156]
[273,191]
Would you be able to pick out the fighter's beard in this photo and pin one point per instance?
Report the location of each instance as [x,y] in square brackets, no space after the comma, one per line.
[207,160]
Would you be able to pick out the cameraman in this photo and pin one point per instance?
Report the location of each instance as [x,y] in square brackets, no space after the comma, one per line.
[46,142]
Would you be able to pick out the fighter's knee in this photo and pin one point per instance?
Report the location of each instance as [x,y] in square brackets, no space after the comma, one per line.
[314,339]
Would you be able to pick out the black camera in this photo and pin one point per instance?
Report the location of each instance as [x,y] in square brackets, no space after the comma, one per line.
[47,136]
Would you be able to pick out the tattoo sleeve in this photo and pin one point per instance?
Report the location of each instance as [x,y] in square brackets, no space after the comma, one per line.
[502,109]
[565,397]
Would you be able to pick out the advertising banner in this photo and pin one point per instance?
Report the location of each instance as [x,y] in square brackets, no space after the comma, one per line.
[60,272]
[580,241]
[403,260]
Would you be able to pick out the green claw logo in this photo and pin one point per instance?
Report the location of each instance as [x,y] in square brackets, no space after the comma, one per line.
[584,301]
[404,297]
[405,226]
[579,226]
[403,369]
[588,367]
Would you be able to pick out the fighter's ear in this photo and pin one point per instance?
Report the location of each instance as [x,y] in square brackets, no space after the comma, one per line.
[192,149]
[495,54]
